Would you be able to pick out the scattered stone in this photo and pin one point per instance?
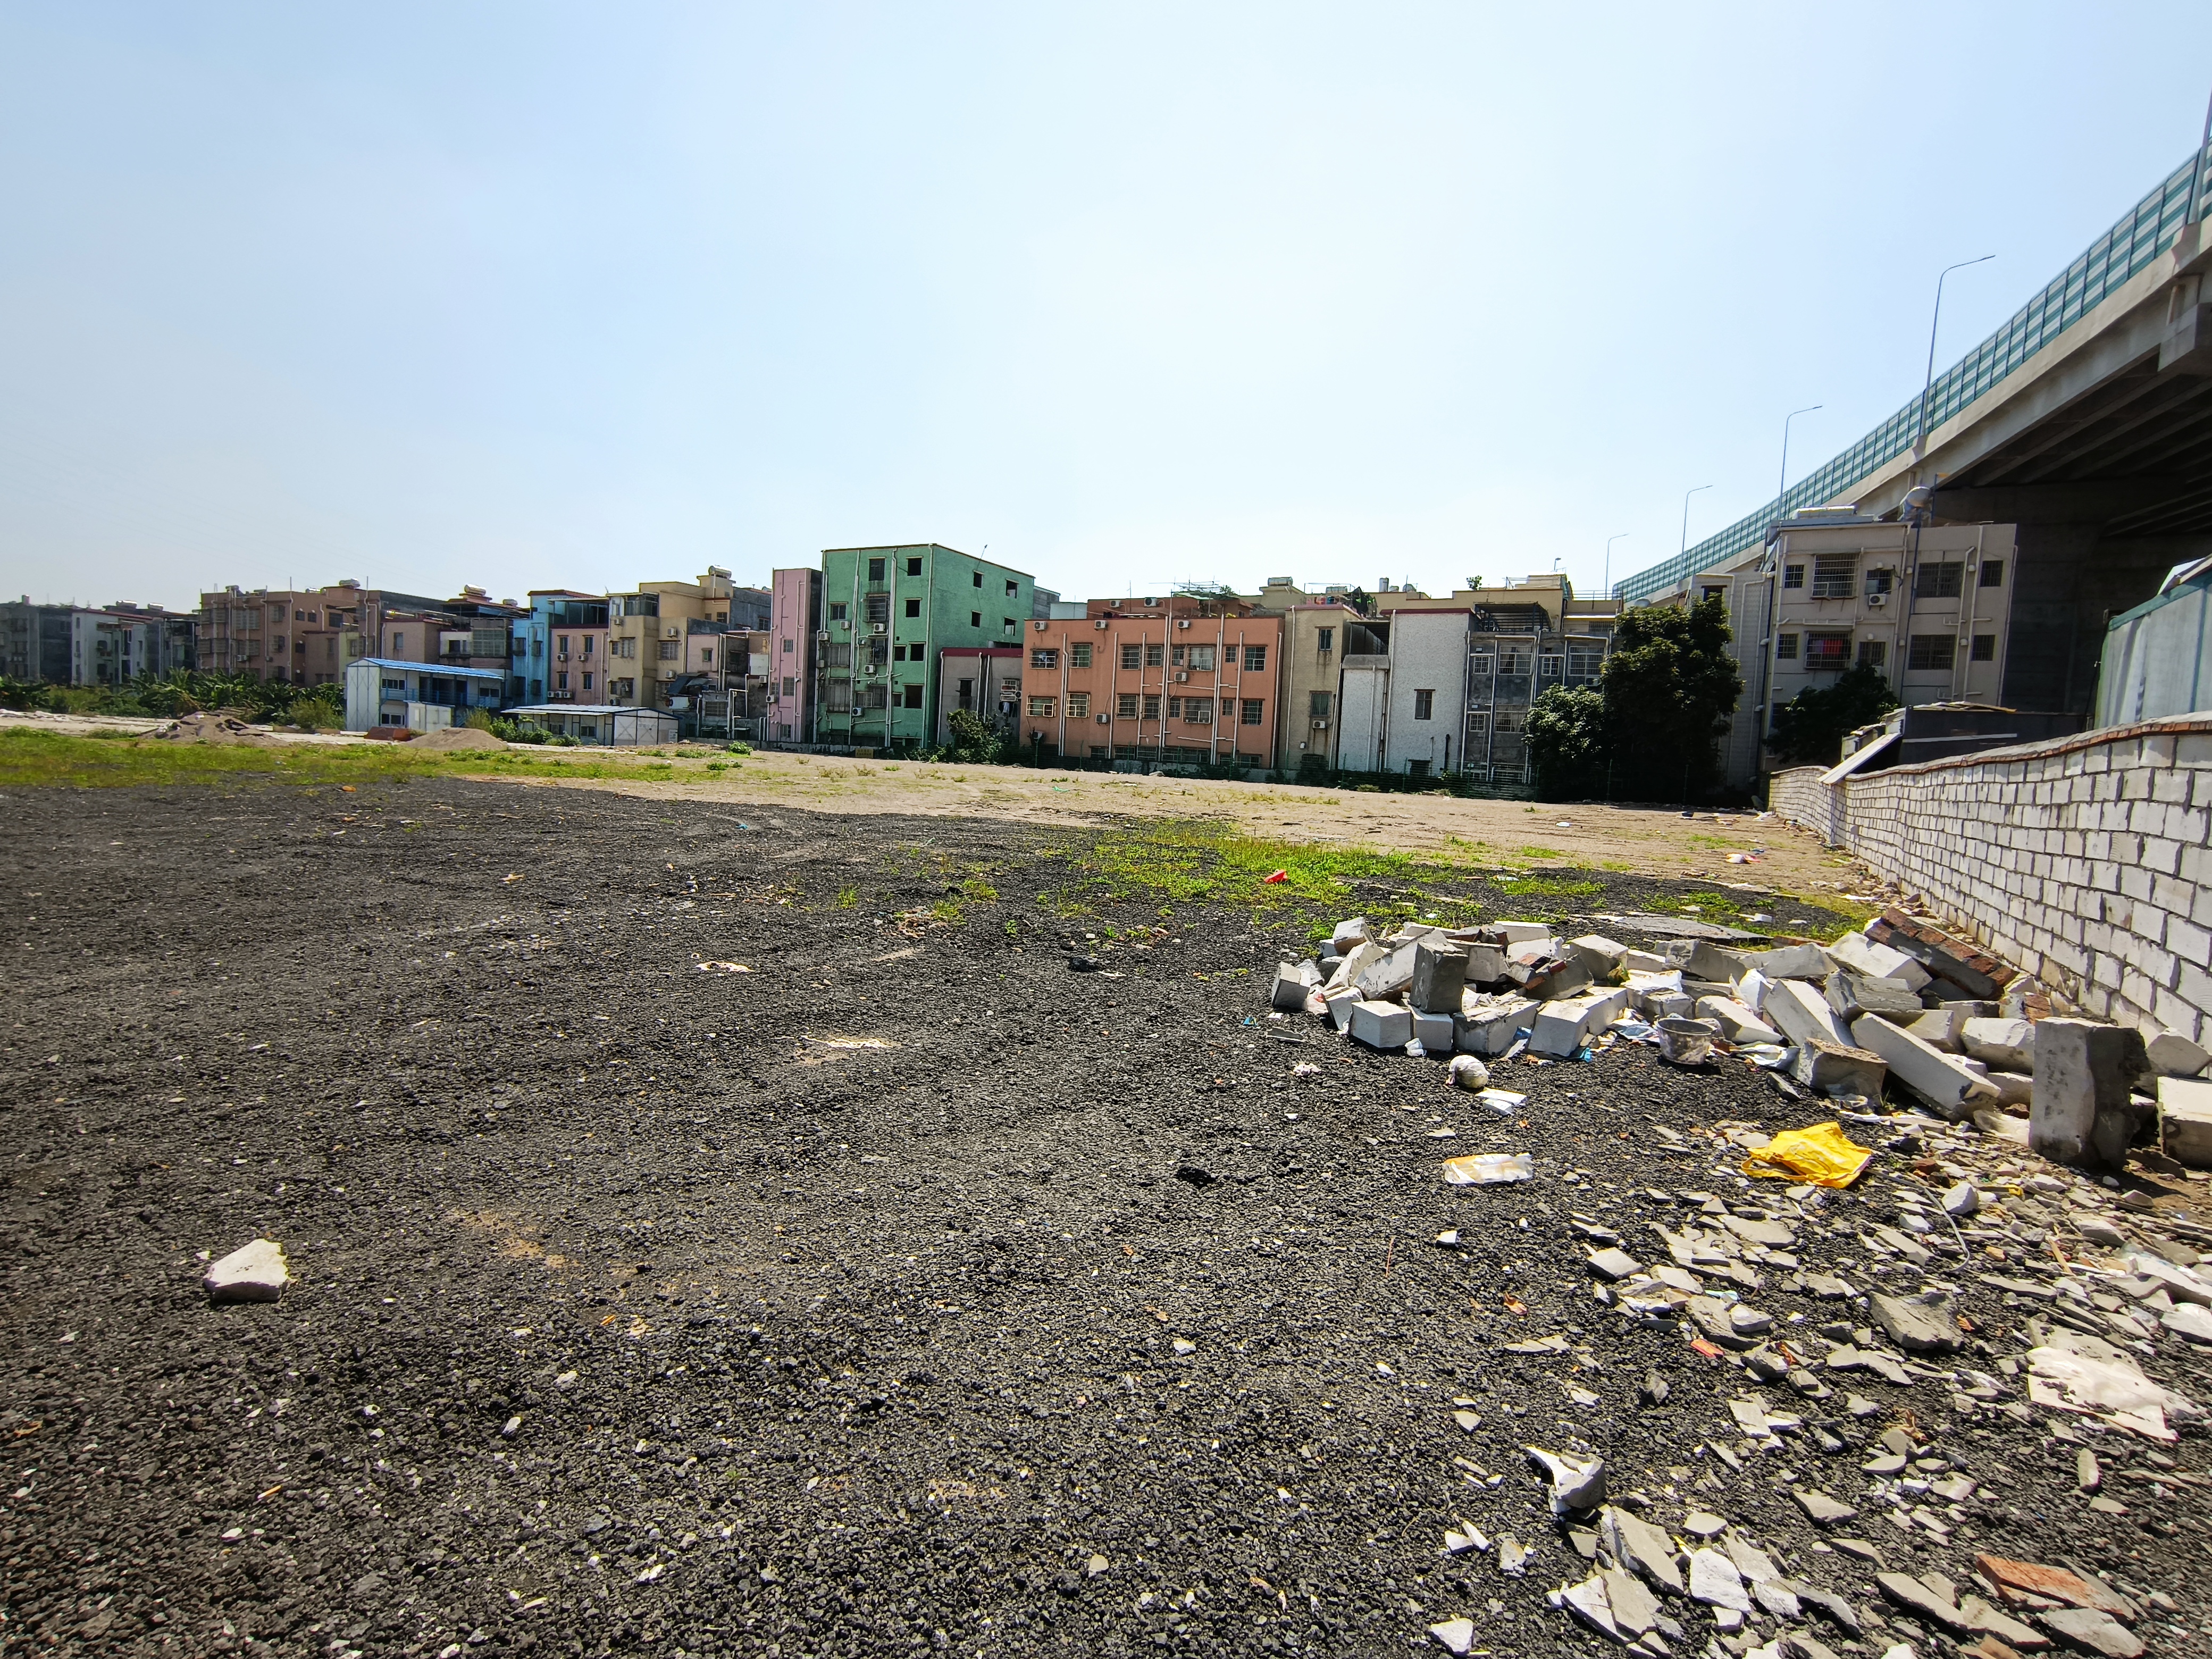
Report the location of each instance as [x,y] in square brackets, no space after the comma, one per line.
[1714,1581]
[1699,1523]
[1916,1325]
[1962,1200]
[1614,1264]
[1489,1170]
[1918,1597]
[1512,1556]
[2185,1121]
[1097,1566]
[1930,1073]
[1455,1635]
[1577,1485]
[2008,1044]
[1469,1072]
[1294,983]
[2088,1474]
[1654,1390]
[1640,1547]
[252,1273]
[1383,1025]
[1635,1609]
[2096,1630]
[1819,1508]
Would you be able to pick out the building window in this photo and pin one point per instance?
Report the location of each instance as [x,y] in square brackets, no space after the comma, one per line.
[1785,647]
[1125,705]
[1509,720]
[913,566]
[1078,705]
[836,614]
[1712,593]
[879,608]
[1201,658]
[1425,704]
[1419,769]
[1078,656]
[587,680]
[588,641]
[1992,573]
[1550,666]
[1013,588]
[1874,653]
[1931,653]
[1152,705]
[1584,665]
[1938,581]
[975,619]
[1250,715]
[1010,627]
[1132,655]
[979,578]
[1834,575]
[871,697]
[707,656]
[561,681]
[624,688]
[560,645]
[1043,707]
[913,607]
[912,696]
[1985,647]
[1827,652]
[1043,658]
[1156,656]
[1484,663]
[875,570]
[1255,659]
[1325,641]
[1198,711]
[1317,705]
[1514,661]
[665,650]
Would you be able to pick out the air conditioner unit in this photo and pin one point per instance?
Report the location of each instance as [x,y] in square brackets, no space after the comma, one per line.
[820,633]
[1102,720]
[1101,623]
[1321,725]
[1182,674]
[1182,624]
[867,668]
[1875,601]
[879,627]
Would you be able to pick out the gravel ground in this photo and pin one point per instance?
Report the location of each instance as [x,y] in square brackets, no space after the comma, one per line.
[910,1291]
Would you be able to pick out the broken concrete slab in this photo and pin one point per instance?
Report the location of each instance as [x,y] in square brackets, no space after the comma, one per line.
[2008,1044]
[1577,1484]
[2094,1629]
[1614,1264]
[1939,1027]
[1862,957]
[1598,954]
[1491,1028]
[1381,1025]
[1294,982]
[1706,960]
[2171,1054]
[2185,1121]
[1521,933]
[1791,961]
[1440,979]
[252,1273]
[1349,936]
[1562,1027]
[1737,1022]
[1837,1068]
[1820,1509]
[1935,1076]
[1435,1033]
[1801,1012]
[2083,1107]
[1486,963]
[1714,1581]
[1340,1004]
[1644,962]
[1850,995]
[1388,977]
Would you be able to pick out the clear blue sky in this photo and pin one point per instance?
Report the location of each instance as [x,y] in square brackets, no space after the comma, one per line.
[541,294]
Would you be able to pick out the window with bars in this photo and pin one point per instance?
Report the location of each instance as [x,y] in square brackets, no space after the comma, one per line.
[1992,573]
[1044,658]
[1834,575]
[1078,705]
[1985,647]
[1932,654]
[1044,707]
[1152,705]
[1125,705]
[1825,652]
[1250,715]
[1255,659]
[1133,656]
[1156,656]
[1793,575]
[1874,653]
[1078,656]
[1943,580]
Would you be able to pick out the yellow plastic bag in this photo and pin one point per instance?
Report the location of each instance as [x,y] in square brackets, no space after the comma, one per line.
[1823,1155]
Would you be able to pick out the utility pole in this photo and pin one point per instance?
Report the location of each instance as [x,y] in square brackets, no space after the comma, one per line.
[1606,592]
[1685,517]
[1920,442]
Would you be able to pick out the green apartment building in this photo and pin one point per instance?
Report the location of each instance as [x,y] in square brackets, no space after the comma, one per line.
[886,614]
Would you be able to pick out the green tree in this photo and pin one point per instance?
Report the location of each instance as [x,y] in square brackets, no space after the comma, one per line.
[973,739]
[1809,729]
[1566,742]
[1670,686]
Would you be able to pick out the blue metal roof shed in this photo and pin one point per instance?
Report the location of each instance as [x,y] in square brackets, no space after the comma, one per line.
[378,690]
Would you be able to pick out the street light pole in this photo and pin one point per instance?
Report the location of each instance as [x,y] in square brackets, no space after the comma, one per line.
[1686,516]
[1782,486]
[1606,593]
[1920,442]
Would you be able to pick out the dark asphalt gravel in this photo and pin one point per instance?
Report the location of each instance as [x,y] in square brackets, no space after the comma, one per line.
[638,1310]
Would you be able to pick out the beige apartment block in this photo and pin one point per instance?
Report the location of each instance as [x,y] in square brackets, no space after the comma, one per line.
[650,634]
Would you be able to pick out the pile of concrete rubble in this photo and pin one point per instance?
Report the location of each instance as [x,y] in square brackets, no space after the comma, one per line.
[1898,1001]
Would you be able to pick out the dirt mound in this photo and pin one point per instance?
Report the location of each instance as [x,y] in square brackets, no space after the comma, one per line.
[219,726]
[458,737]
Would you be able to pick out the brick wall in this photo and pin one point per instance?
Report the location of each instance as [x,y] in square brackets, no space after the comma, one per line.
[2083,860]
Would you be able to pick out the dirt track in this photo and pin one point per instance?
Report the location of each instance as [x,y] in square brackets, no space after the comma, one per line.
[910,1292]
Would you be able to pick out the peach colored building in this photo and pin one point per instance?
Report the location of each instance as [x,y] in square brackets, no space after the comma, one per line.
[1184,680]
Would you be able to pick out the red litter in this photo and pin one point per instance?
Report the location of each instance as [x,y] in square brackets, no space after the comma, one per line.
[1279,875]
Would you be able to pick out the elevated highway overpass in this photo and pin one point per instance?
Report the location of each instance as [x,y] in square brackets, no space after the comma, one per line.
[2085,421]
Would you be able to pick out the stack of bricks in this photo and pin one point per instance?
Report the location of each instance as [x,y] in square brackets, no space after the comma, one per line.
[2086,861]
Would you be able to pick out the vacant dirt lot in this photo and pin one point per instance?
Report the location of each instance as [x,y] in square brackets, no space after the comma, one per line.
[910,1291]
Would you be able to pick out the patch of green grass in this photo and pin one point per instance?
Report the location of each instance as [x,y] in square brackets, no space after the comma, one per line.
[55,760]
[1722,842]
[1549,887]
[848,897]
[1538,853]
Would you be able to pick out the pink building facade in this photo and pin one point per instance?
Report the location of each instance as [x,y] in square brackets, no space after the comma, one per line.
[794,620]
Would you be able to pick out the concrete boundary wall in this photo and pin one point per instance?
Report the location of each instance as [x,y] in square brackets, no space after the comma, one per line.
[2083,860]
